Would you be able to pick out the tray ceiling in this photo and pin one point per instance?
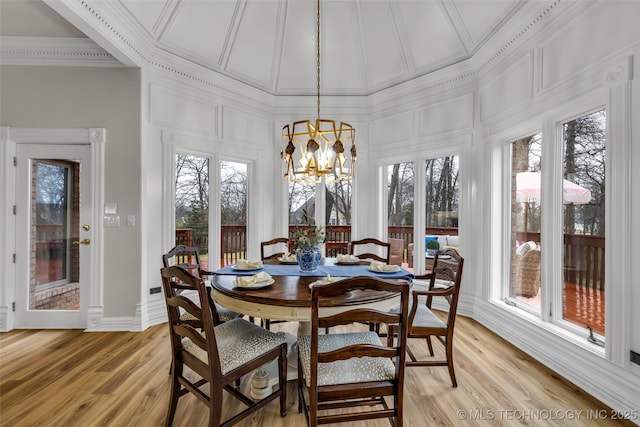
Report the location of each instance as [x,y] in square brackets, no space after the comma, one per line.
[366,45]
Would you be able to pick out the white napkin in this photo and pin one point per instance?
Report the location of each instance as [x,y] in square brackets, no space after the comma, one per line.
[289,257]
[383,267]
[326,280]
[247,281]
[347,258]
[243,264]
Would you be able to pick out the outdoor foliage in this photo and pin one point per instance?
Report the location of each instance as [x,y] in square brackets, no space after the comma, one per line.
[442,193]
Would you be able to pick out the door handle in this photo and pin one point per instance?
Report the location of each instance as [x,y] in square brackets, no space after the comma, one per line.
[82,242]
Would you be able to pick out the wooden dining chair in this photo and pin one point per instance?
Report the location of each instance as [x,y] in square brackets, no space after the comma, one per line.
[271,249]
[217,355]
[188,257]
[444,282]
[357,248]
[352,370]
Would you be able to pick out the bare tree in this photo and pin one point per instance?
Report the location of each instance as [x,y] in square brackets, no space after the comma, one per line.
[442,196]
[400,194]
[233,194]
[192,197]
[338,201]
[584,164]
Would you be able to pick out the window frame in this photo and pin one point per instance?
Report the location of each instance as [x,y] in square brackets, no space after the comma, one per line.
[551,309]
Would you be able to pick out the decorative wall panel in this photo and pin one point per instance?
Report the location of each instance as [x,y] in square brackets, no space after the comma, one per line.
[177,111]
[246,128]
[392,129]
[588,40]
[507,89]
[447,116]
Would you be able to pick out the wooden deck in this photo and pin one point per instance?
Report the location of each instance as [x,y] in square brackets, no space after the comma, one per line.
[582,305]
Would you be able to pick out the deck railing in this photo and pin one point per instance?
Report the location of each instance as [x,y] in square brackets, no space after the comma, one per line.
[583,258]
[583,254]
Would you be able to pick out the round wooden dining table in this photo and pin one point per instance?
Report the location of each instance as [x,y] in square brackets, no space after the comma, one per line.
[289,297]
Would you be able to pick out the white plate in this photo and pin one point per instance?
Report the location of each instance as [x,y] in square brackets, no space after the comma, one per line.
[440,257]
[347,262]
[385,272]
[287,261]
[257,285]
[245,269]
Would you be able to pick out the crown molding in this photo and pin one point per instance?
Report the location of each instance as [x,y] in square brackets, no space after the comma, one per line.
[60,51]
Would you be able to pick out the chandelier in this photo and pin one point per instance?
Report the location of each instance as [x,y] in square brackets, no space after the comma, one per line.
[314,150]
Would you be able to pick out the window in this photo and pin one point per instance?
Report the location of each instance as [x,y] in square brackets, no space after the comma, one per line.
[400,205]
[192,203]
[302,199]
[579,194]
[442,197]
[526,214]
[583,221]
[233,211]
[338,217]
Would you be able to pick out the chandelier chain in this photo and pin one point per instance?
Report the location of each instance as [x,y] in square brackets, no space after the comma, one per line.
[318,57]
[318,151]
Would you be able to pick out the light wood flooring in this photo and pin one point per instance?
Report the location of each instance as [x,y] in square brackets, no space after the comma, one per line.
[73,378]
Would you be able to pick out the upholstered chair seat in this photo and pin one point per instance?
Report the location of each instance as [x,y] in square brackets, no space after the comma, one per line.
[355,370]
[238,343]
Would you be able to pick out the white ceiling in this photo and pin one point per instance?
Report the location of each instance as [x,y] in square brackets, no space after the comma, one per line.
[366,45]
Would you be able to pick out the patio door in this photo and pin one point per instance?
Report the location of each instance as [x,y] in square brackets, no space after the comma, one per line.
[53,235]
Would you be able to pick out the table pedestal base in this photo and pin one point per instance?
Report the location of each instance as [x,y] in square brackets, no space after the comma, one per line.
[265,377]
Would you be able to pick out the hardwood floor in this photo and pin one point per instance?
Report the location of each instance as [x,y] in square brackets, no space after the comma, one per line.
[72,378]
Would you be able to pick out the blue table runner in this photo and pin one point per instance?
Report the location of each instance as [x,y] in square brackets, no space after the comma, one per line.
[323,271]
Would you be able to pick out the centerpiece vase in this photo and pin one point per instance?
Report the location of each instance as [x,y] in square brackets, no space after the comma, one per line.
[308,258]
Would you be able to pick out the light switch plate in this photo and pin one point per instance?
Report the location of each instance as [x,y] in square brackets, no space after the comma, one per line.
[111,221]
[110,208]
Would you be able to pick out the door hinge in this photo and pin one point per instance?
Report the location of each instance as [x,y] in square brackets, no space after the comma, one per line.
[13,306]
[14,258]
[14,209]
[15,161]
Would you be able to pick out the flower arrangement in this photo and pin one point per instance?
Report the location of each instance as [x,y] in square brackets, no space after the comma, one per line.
[308,234]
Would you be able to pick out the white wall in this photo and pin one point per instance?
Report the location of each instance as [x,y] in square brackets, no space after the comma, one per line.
[575,66]
[61,97]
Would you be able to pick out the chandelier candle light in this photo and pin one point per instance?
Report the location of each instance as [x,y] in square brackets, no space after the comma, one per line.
[314,150]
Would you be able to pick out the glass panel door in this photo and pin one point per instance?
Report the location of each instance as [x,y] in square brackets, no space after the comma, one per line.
[53,235]
[54,271]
